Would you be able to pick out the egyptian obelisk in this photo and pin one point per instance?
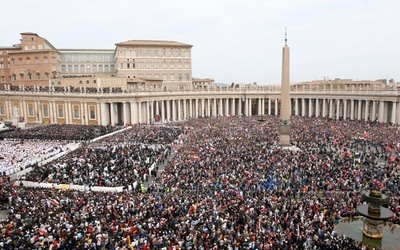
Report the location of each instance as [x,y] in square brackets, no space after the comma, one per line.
[284,122]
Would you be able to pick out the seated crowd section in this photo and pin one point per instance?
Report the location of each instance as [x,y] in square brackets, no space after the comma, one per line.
[226,185]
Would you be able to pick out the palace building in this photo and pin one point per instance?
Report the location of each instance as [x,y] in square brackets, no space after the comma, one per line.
[35,61]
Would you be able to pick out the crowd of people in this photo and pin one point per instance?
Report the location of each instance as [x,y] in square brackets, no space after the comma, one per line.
[122,159]
[228,186]
[16,155]
[60,132]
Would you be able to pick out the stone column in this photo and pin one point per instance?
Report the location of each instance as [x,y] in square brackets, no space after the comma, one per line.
[112,114]
[184,110]
[196,108]
[173,110]
[344,109]
[179,109]
[162,115]
[220,106]
[98,113]
[226,106]
[276,106]
[240,106]
[366,111]
[331,108]
[303,106]
[310,107]
[249,106]
[233,106]
[352,110]
[337,109]
[168,110]
[296,106]
[394,109]
[269,106]
[69,112]
[359,110]
[324,107]
[208,109]
[317,112]
[381,114]
[374,115]
[202,107]
[139,109]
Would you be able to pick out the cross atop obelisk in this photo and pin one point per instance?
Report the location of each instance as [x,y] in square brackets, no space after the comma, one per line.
[284,122]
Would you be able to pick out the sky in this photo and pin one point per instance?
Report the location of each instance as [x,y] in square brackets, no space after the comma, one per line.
[236,41]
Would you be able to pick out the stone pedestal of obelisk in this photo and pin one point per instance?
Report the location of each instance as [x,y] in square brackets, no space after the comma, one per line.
[284,122]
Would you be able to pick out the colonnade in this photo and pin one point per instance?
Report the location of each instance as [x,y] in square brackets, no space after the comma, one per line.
[353,109]
[153,111]
[159,107]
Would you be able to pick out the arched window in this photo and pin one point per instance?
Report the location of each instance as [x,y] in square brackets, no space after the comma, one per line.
[69,68]
[164,77]
[106,69]
[82,69]
[100,68]
[76,68]
[112,68]
[180,77]
[63,68]
[187,76]
[172,77]
[94,68]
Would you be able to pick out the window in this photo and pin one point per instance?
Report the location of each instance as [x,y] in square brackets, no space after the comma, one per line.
[30,111]
[82,69]
[20,61]
[80,82]
[12,61]
[180,76]
[45,111]
[76,68]
[164,77]
[94,81]
[100,68]
[63,68]
[106,69]
[37,60]
[92,115]
[69,68]
[60,112]
[28,60]
[2,110]
[3,79]
[33,47]
[187,77]
[76,112]
[172,77]
[87,81]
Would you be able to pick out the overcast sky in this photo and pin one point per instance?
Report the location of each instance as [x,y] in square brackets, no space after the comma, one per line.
[233,40]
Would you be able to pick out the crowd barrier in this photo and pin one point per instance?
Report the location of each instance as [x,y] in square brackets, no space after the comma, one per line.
[70,186]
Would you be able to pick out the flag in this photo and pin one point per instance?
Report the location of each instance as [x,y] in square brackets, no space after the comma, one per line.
[54,202]
[42,231]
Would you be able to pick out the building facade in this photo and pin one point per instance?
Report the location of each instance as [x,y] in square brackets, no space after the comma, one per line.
[159,105]
[168,61]
[137,62]
[32,62]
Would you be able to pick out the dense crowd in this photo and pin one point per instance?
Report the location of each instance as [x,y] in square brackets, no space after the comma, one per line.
[229,186]
[60,132]
[118,160]
[17,155]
